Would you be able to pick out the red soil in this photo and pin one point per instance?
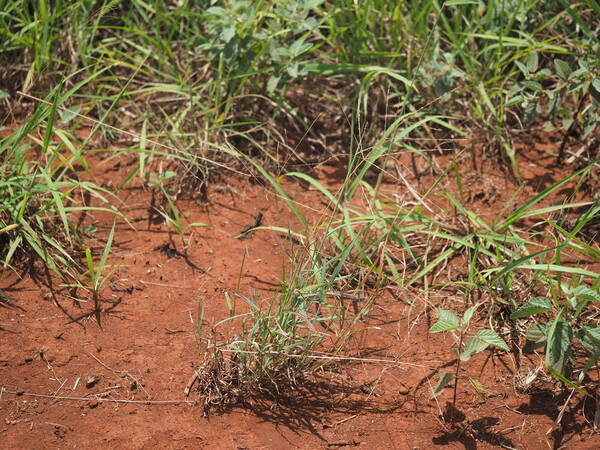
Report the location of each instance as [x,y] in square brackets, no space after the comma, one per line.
[78,385]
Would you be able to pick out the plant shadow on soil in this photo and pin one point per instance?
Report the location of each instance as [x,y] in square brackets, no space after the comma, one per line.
[470,433]
[300,409]
[550,404]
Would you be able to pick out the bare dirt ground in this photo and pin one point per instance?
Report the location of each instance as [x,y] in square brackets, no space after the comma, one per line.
[69,383]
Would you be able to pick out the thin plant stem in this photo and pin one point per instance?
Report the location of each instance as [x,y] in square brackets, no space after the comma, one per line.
[460,346]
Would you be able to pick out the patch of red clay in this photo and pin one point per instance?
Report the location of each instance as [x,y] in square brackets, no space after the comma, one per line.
[74,384]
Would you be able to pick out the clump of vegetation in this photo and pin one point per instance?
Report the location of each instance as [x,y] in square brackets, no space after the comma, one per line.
[40,191]
[570,322]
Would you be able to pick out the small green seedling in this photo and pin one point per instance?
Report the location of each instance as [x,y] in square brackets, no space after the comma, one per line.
[558,334]
[449,322]
[95,277]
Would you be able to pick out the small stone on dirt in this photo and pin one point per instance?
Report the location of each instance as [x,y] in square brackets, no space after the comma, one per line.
[91,381]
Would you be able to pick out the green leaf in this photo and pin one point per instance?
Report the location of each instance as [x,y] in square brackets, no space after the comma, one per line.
[595,89]
[568,382]
[215,11]
[101,266]
[460,2]
[572,301]
[272,83]
[523,68]
[543,74]
[90,262]
[586,294]
[589,337]
[472,347]
[559,346]
[468,315]
[534,306]
[553,103]
[66,115]
[167,175]
[532,62]
[444,379]
[447,321]
[582,295]
[577,73]
[293,70]
[309,4]
[3,94]
[537,335]
[514,100]
[559,268]
[298,47]
[531,112]
[533,85]
[490,337]
[227,33]
[200,225]
[562,69]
